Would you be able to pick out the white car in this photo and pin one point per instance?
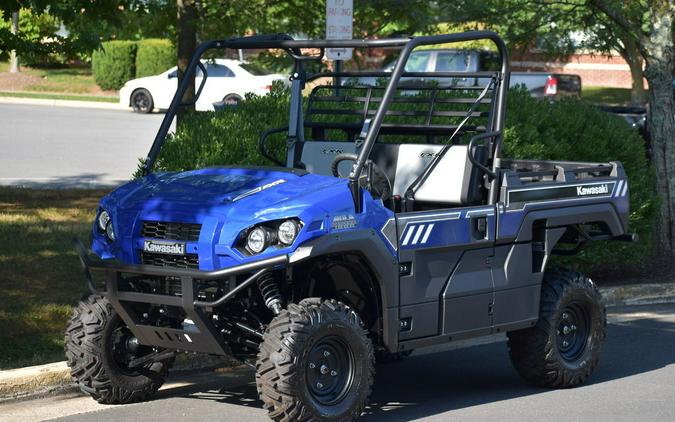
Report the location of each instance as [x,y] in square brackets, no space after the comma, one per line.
[227,82]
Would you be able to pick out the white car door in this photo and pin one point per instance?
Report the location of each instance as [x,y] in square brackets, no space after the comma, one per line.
[167,86]
[219,83]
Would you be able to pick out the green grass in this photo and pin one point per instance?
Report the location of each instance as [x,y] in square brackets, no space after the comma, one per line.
[605,95]
[54,96]
[67,80]
[40,274]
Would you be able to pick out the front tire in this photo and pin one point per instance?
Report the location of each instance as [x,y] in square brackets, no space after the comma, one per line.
[96,344]
[563,348]
[315,363]
[142,101]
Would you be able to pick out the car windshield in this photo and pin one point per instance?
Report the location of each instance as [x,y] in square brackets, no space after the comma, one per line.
[417,62]
[452,62]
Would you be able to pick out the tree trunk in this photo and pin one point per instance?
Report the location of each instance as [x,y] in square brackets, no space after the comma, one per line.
[13,58]
[631,54]
[187,43]
[659,58]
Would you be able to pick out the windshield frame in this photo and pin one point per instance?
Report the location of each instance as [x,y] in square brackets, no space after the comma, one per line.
[294,49]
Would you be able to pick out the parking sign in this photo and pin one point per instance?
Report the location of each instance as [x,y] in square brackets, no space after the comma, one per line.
[339,16]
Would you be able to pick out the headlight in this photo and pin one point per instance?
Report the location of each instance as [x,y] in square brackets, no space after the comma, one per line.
[258,239]
[103,220]
[287,232]
[110,232]
[277,233]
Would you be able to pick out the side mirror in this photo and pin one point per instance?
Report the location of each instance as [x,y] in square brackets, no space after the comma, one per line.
[172,75]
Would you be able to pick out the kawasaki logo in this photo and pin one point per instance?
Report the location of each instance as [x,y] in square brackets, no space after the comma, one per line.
[592,190]
[164,247]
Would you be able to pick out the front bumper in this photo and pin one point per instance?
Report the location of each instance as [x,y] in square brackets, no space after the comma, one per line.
[204,336]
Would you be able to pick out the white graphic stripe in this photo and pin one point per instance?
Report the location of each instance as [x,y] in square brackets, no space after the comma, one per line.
[625,188]
[418,234]
[618,188]
[407,235]
[428,232]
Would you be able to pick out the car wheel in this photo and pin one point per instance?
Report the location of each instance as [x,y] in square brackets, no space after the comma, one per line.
[141,101]
[231,100]
[316,362]
[563,348]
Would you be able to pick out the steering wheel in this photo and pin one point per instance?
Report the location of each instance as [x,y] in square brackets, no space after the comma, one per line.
[380,187]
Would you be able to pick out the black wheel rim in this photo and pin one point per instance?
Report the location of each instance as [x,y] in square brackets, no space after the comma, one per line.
[141,101]
[573,332]
[330,370]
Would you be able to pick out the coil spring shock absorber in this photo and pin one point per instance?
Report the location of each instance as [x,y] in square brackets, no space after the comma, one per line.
[269,289]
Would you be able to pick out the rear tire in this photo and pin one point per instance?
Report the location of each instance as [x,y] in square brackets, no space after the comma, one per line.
[141,101]
[316,363]
[92,348]
[231,100]
[564,347]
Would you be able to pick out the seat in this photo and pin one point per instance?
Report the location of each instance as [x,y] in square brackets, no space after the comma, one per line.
[455,180]
[317,156]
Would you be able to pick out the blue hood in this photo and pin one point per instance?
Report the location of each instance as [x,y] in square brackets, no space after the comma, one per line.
[226,202]
[217,186]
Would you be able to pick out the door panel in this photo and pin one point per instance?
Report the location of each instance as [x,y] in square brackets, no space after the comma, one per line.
[432,248]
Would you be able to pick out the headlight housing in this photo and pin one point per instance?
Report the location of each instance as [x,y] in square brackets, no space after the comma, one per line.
[256,239]
[103,220]
[105,225]
[287,232]
[110,232]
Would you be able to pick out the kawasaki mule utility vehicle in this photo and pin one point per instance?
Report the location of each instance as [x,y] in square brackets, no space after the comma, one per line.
[392,223]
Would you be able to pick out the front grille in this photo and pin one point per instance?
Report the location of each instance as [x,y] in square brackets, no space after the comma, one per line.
[164,260]
[185,232]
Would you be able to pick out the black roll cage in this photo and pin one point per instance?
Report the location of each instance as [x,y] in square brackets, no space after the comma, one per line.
[371,131]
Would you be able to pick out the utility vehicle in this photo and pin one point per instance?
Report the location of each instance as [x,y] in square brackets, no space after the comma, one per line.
[393,223]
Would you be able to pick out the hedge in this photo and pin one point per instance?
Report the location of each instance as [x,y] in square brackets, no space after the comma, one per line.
[565,130]
[154,56]
[114,64]
[117,62]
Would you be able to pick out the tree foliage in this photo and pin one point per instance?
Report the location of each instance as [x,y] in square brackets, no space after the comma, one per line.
[645,26]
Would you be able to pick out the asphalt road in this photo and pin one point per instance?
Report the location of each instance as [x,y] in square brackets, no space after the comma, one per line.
[59,146]
[635,381]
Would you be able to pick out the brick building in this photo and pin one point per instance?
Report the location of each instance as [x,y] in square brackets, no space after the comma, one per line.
[595,69]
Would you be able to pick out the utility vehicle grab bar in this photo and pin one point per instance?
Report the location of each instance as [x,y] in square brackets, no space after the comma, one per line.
[469,151]
[262,144]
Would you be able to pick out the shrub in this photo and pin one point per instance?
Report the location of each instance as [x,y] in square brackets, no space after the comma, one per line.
[114,64]
[229,136]
[567,130]
[577,131]
[154,56]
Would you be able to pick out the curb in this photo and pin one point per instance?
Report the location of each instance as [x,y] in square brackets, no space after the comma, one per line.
[54,378]
[62,103]
[34,381]
[638,294]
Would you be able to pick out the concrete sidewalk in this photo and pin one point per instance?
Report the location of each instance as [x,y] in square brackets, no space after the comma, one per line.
[55,377]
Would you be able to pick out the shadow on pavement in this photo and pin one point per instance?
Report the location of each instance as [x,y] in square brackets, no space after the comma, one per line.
[427,385]
[79,181]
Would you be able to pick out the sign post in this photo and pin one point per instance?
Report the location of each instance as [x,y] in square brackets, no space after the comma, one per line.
[339,26]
